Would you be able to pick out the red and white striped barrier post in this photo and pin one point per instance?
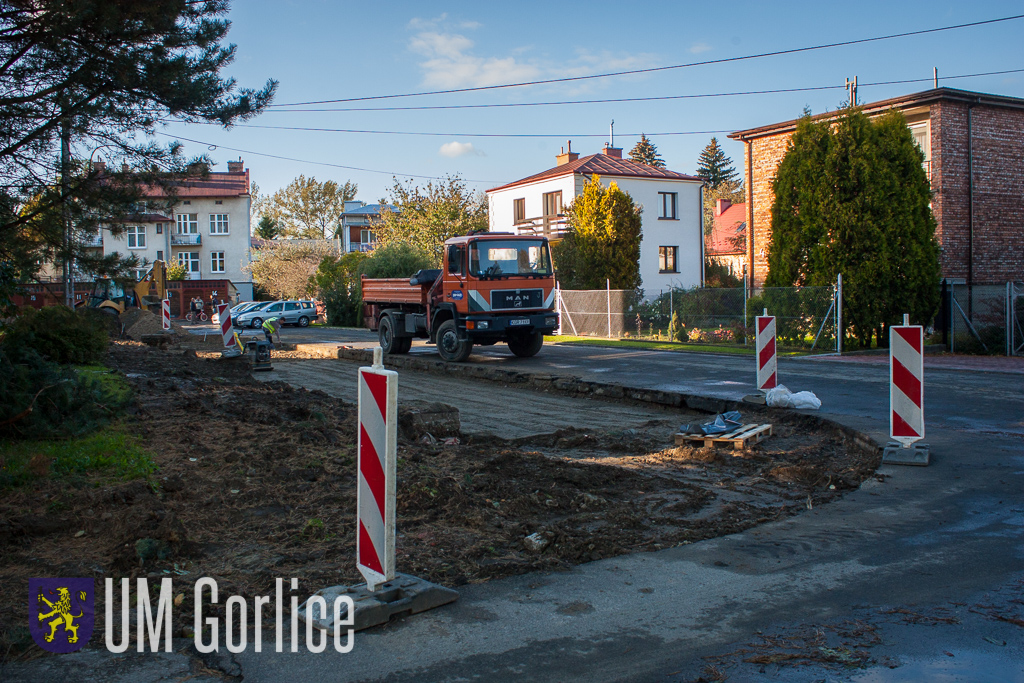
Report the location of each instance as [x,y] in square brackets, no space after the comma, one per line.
[906,382]
[224,314]
[165,314]
[377,448]
[767,366]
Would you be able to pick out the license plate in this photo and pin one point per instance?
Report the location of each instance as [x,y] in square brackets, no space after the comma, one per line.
[519,321]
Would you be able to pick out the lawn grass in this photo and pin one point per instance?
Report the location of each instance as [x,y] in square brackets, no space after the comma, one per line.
[731,349]
[112,451]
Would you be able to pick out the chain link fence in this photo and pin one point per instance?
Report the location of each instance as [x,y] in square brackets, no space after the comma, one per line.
[806,317]
[986,319]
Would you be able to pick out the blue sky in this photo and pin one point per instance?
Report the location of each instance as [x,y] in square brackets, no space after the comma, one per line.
[321,50]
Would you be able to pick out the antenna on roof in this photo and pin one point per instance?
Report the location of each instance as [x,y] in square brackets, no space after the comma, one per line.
[611,134]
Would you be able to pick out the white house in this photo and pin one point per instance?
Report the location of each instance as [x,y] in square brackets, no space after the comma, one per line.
[207,229]
[672,248]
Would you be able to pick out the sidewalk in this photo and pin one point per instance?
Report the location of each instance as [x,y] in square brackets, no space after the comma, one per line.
[943,361]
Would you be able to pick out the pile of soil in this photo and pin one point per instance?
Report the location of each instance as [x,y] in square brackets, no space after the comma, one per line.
[138,322]
[257,480]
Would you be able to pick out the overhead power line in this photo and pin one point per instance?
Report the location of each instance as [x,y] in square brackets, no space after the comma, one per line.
[310,129]
[212,146]
[631,72]
[639,99]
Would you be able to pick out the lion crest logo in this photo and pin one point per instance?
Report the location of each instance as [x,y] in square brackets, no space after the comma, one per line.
[61,615]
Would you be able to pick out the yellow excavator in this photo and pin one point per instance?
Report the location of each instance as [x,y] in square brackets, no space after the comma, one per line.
[110,297]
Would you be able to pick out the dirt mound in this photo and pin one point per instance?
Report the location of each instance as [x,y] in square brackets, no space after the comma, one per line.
[138,322]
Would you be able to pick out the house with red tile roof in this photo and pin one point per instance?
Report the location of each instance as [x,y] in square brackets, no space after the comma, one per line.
[672,248]
[727,242]
[206,230]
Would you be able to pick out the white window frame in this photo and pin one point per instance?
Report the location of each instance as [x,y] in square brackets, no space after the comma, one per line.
[366,236]
[189,259]
[219,224]
[133,233]
[217,258]
[669,206]
[188,223]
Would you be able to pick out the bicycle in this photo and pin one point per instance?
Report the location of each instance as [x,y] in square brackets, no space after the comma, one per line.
[192,315]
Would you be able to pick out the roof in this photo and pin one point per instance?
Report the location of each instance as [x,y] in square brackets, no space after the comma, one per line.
[728,235]
[902,102]
[370,210]
[602,165]
[214,185]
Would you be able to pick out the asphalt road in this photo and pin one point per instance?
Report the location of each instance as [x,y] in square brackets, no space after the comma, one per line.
[947,539]
[925,537]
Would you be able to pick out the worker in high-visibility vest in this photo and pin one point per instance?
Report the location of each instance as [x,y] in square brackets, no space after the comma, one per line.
[270,327]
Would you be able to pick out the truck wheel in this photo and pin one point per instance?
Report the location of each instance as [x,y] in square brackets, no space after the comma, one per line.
[388,342]
[527,346]
[451,348]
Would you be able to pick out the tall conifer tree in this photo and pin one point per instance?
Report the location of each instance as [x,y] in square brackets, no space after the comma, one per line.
[644,152]
[714,167]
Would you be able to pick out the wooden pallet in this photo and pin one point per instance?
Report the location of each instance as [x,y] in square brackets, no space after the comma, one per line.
[740,438]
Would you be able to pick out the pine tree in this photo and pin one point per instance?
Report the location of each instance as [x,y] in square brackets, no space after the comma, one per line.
[714,167]
[644,152]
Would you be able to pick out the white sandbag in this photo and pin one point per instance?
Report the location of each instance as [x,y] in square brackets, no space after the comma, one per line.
[781,397]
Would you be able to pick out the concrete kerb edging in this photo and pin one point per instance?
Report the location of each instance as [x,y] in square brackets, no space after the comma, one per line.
[579,387]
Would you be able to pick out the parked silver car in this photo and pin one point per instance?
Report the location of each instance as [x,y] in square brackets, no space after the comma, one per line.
[293,312]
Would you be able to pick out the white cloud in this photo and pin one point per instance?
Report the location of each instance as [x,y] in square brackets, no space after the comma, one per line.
[697,48]
[459,149]
[450,62]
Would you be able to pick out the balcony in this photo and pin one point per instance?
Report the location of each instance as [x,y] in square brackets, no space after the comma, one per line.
[95,241]
[552,227]
[186,240]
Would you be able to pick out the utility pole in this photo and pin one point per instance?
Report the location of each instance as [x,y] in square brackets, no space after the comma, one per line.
[65,210]
[851,89]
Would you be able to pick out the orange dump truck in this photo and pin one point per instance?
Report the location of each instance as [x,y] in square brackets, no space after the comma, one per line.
[493,287]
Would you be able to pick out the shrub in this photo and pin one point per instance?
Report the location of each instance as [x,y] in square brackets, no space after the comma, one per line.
[45,400]
[57,334]
[337,285]
[396,259]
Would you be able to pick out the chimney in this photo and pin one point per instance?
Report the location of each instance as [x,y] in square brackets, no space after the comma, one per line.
[236,166]
[99,166]
[723,204]
[566,157]
[124,167]
[612,151]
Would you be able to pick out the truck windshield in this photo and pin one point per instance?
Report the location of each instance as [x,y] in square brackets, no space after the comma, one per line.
[498,258]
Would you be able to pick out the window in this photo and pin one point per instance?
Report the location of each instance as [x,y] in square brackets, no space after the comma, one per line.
[136,236]
[667,259]
[216,261]
[668,206]
[291,306]
[218,224]
[367,237]
[552,203]
[186,203]
[139,274]
[188,223]
[140,207]
[159,228]
[218,202]
[923,140]
[159,256]
[518,211]
[189,259]
[273,308]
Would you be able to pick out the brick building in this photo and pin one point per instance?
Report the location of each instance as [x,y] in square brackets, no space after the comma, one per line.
[973,146]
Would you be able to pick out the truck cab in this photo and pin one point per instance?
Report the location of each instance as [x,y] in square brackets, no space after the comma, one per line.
[492,287]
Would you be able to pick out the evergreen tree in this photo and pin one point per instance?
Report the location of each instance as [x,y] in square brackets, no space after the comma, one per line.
[644,152]
[603,240]
[852,197]
[267,228]
[714,167]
